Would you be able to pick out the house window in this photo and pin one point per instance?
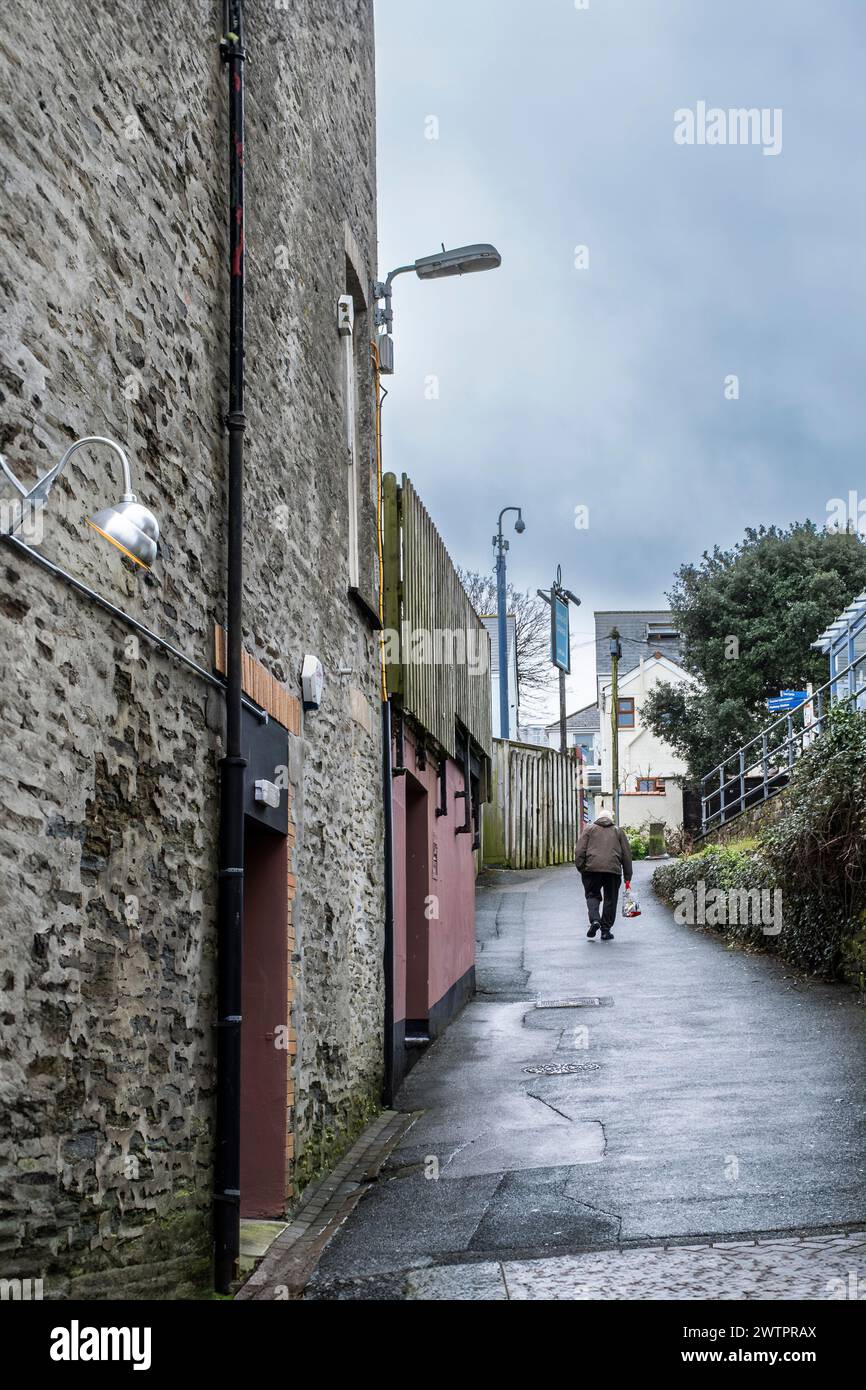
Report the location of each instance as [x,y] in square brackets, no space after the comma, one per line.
[654,786]
[661,632]
[625,713]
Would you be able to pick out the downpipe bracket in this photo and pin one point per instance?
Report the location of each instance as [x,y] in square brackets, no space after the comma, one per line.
[231,47]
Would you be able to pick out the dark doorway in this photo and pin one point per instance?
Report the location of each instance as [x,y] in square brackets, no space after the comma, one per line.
[691,807]
[417,889]
[264,1033]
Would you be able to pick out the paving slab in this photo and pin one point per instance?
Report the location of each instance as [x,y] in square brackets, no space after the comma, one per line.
[820,1269]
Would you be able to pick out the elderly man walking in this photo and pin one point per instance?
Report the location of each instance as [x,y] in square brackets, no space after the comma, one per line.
[602,858]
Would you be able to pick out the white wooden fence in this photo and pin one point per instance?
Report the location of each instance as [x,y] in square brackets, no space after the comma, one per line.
[533,816]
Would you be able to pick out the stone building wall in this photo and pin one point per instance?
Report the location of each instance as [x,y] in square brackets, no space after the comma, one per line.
[114,238]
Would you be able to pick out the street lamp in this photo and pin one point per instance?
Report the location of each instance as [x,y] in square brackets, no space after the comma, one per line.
[127,524]
[462,260]
[500,546]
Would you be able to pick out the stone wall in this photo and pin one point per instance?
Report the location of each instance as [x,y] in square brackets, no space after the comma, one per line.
[115,280]
[745,826]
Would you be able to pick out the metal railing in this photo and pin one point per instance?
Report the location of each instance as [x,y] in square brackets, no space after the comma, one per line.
[762,767]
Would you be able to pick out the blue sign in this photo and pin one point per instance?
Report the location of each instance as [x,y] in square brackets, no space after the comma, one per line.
[786,700]
[560,647]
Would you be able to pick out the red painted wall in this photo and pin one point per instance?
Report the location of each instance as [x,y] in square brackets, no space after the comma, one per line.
[451,879]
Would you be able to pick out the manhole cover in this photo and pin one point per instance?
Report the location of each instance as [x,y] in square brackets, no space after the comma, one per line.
[561,1068]
[584,1001]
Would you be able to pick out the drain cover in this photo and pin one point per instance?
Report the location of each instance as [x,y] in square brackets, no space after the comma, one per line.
[584,1001]
[561,1068]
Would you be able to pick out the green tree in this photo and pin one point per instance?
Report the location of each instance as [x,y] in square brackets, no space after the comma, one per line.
[748,617]
[531,631]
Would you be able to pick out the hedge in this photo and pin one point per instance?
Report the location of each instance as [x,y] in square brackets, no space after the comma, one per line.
[723,874]
[814,854]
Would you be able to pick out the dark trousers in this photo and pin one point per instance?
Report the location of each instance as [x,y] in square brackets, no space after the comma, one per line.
[597,886]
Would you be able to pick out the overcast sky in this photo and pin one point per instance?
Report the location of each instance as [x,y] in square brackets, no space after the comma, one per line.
[604,387]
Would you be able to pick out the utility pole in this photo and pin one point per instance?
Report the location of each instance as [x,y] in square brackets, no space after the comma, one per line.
[563,733]
[615,654]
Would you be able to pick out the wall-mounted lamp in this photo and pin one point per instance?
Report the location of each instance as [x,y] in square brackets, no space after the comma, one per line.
[461,260]
[128,525]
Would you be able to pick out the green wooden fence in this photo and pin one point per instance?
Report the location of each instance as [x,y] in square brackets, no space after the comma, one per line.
[437,649]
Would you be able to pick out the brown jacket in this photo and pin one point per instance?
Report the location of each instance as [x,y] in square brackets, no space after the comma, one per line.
[603,849]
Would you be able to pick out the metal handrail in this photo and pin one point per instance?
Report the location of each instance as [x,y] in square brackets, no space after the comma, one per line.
[783,753]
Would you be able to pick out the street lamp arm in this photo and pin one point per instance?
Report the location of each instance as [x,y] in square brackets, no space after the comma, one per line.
[508,509]
[382,288]
[392,275]
[46,483]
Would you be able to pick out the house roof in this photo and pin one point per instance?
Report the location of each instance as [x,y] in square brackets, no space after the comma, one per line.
[583,720]
[635,630]
[628,678]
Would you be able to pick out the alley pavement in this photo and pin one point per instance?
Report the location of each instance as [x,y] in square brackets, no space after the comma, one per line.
[657,1116]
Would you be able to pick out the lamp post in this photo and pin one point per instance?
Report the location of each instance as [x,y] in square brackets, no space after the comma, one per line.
[463,260]
[500,545]
[558,597]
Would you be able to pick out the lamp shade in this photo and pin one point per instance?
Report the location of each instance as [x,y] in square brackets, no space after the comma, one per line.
[463,260]
[131,527]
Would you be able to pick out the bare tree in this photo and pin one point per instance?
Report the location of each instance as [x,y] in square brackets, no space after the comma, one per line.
[532,633]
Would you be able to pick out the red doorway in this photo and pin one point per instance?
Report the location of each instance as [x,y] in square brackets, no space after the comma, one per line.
[417,889]
[264,1032]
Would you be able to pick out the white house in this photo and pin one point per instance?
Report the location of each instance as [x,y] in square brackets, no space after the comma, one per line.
[536,734]
[581,731]
[647,765]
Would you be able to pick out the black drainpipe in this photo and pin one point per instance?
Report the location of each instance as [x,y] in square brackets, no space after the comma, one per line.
[388,803]
[230,911]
